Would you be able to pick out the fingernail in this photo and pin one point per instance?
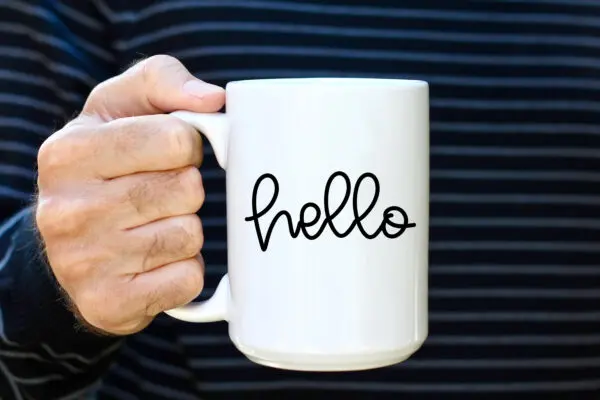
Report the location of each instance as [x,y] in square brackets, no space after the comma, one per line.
[200,89]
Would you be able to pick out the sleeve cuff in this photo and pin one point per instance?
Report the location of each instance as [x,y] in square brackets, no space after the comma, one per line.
[34,311]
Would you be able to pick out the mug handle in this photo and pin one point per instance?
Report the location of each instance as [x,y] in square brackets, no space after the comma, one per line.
[215,126]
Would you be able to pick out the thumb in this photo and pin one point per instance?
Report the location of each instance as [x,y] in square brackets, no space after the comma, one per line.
[156,85]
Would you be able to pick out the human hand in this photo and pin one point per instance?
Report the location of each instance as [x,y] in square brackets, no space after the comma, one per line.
[118,192]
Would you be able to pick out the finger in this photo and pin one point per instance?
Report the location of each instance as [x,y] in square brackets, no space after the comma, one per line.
[159,84]
[168,287]
[162,242]
[148,143]
[152,196]
[120,147]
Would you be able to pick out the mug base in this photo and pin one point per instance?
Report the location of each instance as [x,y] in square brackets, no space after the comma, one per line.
[329,363]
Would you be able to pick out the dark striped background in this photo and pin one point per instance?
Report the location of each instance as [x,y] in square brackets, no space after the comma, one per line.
[515,213]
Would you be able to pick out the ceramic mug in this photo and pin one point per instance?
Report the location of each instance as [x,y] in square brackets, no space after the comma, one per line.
[327,221]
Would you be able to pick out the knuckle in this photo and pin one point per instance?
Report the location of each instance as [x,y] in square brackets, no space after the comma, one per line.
[58,216]
[176,292]
[191,235]
[44,216]
[193,188]
[49,156]
[74,263]
[56,151]
[180,141]
[153,66]
[99,98]
[190,287]
[98,91]
[155,302]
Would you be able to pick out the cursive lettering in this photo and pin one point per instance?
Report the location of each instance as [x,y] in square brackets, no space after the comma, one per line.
[387,227]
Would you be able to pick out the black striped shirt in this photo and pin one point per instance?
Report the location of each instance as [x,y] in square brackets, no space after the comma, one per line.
[515,189]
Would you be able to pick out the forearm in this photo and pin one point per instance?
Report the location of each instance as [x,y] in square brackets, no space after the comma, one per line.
[44,349]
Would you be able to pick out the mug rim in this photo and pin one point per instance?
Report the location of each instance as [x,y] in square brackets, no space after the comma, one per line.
[331,82]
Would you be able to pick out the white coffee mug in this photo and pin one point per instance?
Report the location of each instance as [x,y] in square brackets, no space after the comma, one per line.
[327,221]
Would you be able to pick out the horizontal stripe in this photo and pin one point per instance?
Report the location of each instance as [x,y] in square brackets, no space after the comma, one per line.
[204,339]
[15,76]
[446,340]
[18,29]
[519,105]
[342,10]
[78,16]
[521,128]
[497,151]
[24,125]
[558,82]
[482,270]
[495,316]
[29,9]
[515,270]
[529,246]
[155,341]
[7,192]
[18,147]
[481,174]
[475,387]
[529,316]
[156,365]
[169,393]
[336,31]
[514,293]
[481,222]
[13,170]
[214,173]
[502,198]
[513,340]
[447,58]
[59,68]
[215,197]
[541,363]
[28,101]
[214,245]
[214,221]
[516,175]
[581,3]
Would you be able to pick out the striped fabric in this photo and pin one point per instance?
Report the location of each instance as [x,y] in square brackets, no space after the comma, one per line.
[515,212]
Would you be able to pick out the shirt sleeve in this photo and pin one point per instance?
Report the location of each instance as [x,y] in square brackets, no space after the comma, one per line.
[52,53]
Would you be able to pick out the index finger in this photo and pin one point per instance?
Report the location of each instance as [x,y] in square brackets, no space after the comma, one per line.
[140,144]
